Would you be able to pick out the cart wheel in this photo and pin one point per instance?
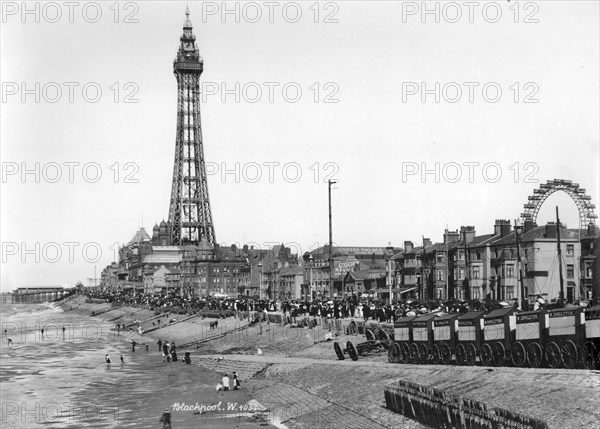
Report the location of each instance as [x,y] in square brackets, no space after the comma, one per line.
[518,354]
[461,355]
[393,353]
[414,353]
[423,354]
[569,354]
[370,335]
[352,352]
[437,354]
[404,353]
[588,355]
[553,355]
[487,356]
[471,354]
[446,356]
[338,351]
[535,355]
[499,353]
[384,336]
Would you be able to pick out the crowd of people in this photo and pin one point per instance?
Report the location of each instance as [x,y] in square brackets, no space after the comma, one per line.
[361,308]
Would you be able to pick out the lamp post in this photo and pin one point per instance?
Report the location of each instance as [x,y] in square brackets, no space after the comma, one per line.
[310,286]
[249,282]
[388,276]
[523,301]
[260,281]
[329,183]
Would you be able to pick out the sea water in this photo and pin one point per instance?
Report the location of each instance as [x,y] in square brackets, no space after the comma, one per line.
[61,379]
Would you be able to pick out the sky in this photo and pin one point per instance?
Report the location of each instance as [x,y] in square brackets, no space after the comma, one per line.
[428,115]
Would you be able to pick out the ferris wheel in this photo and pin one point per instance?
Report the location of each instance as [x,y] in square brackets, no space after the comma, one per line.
[582,200]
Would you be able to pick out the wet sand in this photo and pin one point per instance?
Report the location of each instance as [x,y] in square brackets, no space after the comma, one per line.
[63,381]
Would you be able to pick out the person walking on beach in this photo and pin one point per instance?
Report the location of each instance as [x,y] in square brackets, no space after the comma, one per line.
[166,419]
[166,351]
[159,342]
[122,360]
[133,344]
[107,359]
[63,328]
[225,382]
[236,381]
[42,334]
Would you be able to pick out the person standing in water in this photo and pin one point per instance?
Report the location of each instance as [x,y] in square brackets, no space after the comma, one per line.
[166,419]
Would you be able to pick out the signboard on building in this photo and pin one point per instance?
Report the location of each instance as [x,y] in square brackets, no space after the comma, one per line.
[341,267]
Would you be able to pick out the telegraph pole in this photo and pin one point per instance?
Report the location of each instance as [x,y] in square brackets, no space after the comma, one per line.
[329,183]
[560,273]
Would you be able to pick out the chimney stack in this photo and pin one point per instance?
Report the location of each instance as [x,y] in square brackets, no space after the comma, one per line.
[529,225]
[467,233]
[502,227]
[451,236]
[591,229]
[550,230]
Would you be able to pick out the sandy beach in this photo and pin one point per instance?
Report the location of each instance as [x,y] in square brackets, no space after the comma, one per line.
[299,380]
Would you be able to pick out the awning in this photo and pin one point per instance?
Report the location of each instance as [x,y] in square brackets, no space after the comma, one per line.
[408,290]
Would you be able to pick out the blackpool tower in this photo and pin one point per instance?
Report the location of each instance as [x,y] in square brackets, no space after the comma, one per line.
[190,216]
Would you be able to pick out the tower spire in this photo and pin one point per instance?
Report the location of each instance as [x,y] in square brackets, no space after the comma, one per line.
[189,210]
[187,23]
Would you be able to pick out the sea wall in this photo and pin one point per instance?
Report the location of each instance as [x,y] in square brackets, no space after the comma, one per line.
[441,409]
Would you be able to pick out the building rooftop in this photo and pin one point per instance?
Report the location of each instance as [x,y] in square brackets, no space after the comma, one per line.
[139,236]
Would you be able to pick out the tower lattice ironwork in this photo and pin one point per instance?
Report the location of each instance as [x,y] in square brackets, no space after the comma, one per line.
[190,216]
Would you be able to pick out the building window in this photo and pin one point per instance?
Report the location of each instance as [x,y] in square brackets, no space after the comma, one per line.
[475,272]
[461,255]
[570,271]
[510,270]
[478,253]
[461,274]
[476,293]
[570,250]
[440,257]
[588,270]
[440,275]
[510,292]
